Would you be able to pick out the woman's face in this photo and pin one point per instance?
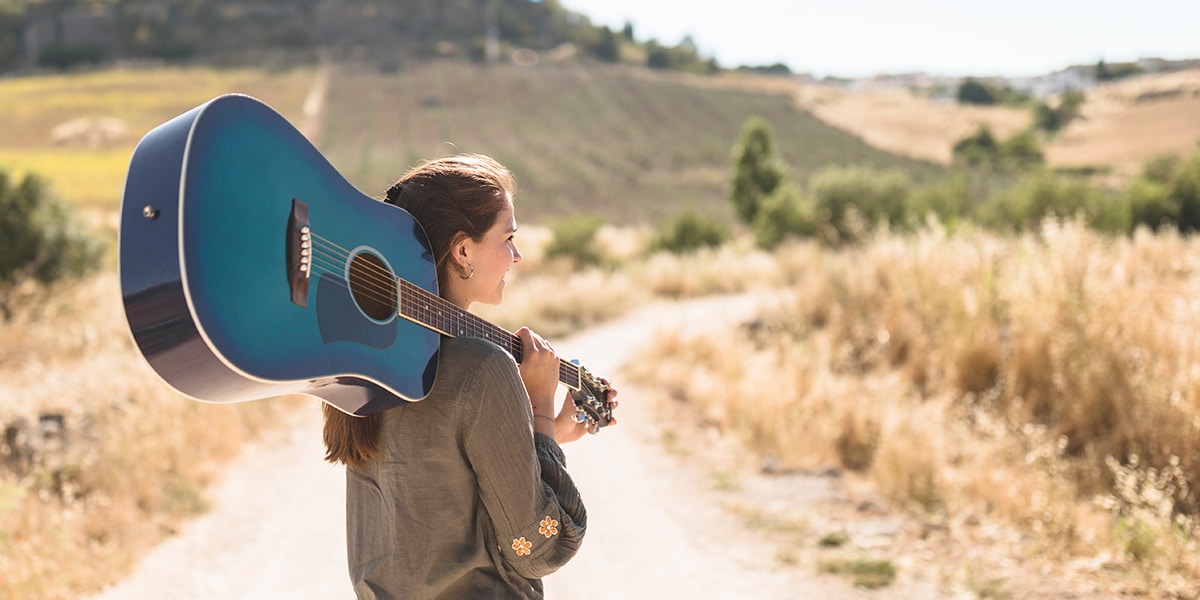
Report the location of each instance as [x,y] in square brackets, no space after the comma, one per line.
[490,257]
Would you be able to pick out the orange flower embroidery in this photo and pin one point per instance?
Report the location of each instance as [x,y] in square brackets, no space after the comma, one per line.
[549,527]
[522,547]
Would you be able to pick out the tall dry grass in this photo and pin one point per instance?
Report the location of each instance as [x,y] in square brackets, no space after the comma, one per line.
[99,459]
[1047,381]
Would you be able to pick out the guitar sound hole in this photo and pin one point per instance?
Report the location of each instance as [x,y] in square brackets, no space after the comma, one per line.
[372,286]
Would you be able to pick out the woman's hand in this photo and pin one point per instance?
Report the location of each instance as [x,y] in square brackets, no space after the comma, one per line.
[539,372]
[567,429]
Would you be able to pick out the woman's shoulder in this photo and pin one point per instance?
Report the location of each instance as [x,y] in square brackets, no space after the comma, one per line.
[475,359]
[471,349]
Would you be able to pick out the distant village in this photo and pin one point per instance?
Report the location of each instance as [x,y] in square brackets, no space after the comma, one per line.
[1077,77]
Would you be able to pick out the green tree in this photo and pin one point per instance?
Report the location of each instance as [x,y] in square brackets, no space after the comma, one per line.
[1167,191]
[1053,119]
[757,171]
[1185,191]
[1019,152]
[691,231]
[606,46]
[977,149]
[972,91]
[40,242]
[1150,204]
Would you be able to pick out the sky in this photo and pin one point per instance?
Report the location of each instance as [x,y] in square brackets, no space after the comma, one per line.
[862,38]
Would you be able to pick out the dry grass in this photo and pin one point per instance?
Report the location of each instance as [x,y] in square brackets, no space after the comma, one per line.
[1045,382]
[1127,122]
[906,123]
[101,460]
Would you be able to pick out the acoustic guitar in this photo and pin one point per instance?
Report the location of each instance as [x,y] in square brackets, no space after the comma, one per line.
[250,269]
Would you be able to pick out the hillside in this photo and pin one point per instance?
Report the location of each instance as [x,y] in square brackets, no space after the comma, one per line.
[624,143]
[610,141]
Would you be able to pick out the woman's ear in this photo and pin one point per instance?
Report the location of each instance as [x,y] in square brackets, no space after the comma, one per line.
[458,249]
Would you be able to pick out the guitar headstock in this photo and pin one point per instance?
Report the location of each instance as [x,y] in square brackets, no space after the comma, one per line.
[591,401]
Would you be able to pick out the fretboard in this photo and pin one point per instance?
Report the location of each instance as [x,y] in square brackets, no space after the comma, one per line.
[430,310]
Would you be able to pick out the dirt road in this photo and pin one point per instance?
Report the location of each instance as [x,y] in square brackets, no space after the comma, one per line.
[658,528]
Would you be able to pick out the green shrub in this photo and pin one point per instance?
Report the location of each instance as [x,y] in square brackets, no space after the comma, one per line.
[66,56]
[1185,190]
[691,231]
[41,242]
[1046,195]
[851,200]
[1021,151]
[575,239]
[1150,204]
[982,149]
[1167,190]
[948,201]
[784,215]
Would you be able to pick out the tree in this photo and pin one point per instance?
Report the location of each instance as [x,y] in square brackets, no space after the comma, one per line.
[982,149]
[627,31]
[757,172]
[606,47]
[1167,191]
[40,242]
[971,91]
[1056,118]
[977,149]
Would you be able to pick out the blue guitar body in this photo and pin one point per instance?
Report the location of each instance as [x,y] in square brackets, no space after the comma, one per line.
[248,267]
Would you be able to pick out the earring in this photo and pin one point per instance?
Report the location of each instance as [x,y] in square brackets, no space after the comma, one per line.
[469,275]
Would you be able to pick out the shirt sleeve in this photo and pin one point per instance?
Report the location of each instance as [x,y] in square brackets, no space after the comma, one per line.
[535,508]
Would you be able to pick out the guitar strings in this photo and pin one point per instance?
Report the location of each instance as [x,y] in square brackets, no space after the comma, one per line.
[384,295]
[380,285]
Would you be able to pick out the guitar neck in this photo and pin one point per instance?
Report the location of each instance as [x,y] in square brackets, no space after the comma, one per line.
[434,312]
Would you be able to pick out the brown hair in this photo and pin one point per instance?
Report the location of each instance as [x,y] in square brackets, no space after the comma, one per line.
[450,197]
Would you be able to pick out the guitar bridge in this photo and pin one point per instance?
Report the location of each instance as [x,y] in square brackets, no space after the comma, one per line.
[299,253]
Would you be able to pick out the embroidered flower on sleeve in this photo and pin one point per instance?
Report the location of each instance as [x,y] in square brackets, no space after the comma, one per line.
[549,527]
[522,547]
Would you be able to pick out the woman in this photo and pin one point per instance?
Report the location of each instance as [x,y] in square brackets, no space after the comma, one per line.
[464,494]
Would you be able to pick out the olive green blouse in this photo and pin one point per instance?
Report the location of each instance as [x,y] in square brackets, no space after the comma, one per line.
[465,501]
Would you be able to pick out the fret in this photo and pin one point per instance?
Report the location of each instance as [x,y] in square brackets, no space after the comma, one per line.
[434,312]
